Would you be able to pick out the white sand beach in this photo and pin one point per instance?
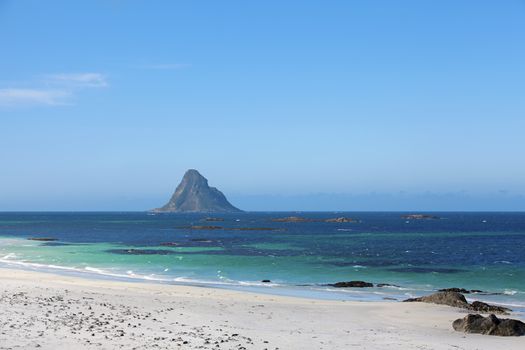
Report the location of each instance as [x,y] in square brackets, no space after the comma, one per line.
[46,311]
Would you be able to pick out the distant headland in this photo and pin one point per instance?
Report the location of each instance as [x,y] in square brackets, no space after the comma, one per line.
[194,195]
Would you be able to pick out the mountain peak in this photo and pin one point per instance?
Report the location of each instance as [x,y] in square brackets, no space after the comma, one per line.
[193,194]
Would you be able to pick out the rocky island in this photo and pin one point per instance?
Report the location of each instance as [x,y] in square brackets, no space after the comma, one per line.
[194,195]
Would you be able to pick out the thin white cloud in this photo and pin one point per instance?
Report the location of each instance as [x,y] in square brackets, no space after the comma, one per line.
[52,89]
[79,79]
[165,66]
[16,97]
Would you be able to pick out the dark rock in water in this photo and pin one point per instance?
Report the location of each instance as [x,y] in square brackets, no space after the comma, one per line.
[457,290]
[169,244]
[141,251]
[340,220]
[389,298]
[266,281]
[487,308]
[465,291]
[380,285]
[201,240]
[42,239]
[444,298]
[201,227]
[213,219]
[195,195]
[490,325]
[293,219]
[425,269]
[352,284]
[254,229]
[420,217]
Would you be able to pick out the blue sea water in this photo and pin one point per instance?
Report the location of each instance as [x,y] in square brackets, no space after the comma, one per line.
[484,251]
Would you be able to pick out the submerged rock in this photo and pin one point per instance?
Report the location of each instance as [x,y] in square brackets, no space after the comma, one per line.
[213,219]
[420,217]
[266,281]
[490,325]
[293,219]
[340,220]
[352,284]
[201,227]
[43,239]
[381,285]
[169,244]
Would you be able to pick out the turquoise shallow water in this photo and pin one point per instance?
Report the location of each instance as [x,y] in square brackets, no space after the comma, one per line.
[482,251]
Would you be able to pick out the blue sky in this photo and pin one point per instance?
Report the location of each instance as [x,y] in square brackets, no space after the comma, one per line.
[307,105]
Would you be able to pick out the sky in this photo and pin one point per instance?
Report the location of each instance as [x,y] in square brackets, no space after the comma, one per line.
[282,105]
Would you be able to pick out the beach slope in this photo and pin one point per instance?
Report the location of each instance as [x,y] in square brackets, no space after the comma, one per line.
[45,311]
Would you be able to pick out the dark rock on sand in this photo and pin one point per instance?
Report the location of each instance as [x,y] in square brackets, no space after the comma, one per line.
[487,308]
[194,194]
[456,299]
[42,239]
[443,298]
[490,325]
[352,284]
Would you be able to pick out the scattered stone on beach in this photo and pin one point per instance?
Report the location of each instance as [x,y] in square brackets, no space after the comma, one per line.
[340,220]
[487,308]
[43,239]
[420,217]
[443,298]
[456,299]
[352,284]
[490,325]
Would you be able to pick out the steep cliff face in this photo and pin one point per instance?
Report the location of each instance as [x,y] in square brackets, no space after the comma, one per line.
[194,194]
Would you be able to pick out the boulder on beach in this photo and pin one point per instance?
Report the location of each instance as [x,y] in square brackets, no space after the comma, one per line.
[456,299]
[352,284]
[487,308]
[444,298]
[490,325]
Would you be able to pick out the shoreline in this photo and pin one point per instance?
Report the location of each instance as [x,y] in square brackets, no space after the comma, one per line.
[51,311]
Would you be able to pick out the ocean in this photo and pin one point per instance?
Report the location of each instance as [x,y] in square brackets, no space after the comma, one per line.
[482,251]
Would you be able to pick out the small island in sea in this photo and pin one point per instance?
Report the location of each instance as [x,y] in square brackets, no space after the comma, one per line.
[194,195]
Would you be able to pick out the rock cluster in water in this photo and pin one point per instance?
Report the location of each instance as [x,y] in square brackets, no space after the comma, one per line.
[194,195]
